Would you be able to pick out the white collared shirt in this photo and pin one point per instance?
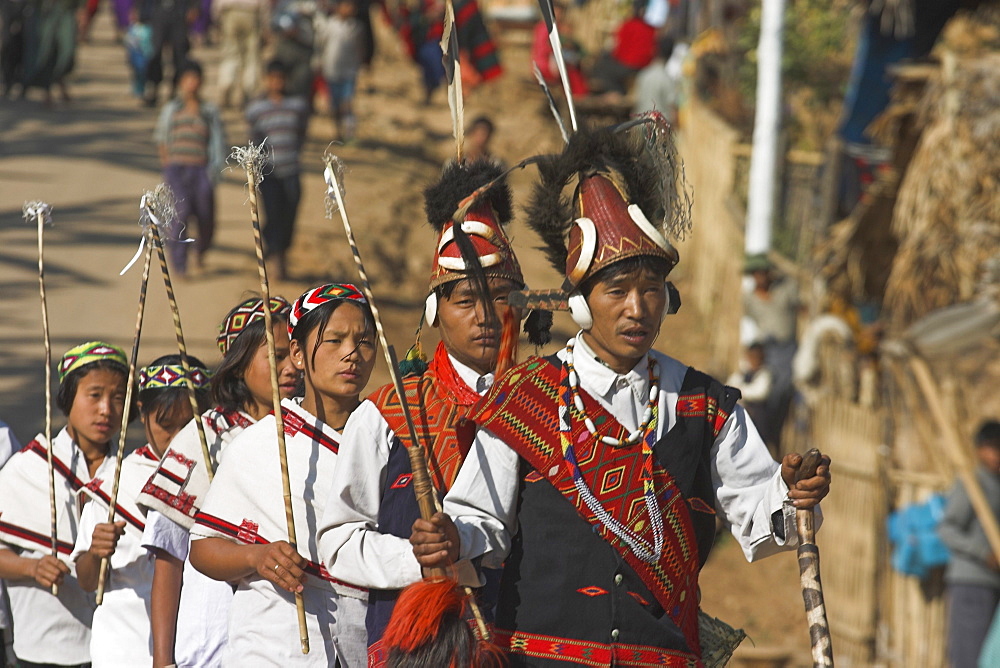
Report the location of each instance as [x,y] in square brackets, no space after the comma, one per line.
[747,482]
[480,383]
[349,541]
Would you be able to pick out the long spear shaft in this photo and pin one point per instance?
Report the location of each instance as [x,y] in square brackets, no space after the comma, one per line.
[549,16]
[182,347]
[102,574]
[422,486]
[286,488]
[39,210]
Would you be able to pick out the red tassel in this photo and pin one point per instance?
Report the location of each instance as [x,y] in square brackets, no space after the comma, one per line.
[416,617]
[507,351]
[425,629]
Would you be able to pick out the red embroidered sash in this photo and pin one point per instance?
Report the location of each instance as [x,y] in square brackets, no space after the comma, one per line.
[438,401]
[522,410]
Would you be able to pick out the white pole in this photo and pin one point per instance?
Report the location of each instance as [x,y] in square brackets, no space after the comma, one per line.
[767,123]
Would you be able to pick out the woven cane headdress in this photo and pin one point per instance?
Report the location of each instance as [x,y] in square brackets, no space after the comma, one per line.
[629,199]
[479,243]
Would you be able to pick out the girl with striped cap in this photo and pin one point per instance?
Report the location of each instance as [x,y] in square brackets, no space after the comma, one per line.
[120,635]
[55,630]
[240,530]
[189,624]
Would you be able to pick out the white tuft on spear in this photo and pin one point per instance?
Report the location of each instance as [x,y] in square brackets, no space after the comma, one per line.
[159,206]
[252,158]
[422,486]
[41,213]
[145,250]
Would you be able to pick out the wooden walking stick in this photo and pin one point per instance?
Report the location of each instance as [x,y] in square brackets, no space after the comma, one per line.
[41,213]
[251,158]
[808,556]
[145,222]
[158,206]
[423,489]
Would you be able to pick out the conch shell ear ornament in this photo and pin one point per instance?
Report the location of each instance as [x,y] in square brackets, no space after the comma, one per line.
[431,309]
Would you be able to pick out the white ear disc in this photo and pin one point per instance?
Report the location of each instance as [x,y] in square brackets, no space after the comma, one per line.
[580,311]
[431,309]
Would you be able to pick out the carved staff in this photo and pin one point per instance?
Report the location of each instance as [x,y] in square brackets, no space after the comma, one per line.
[146,247]
[421,480]
[812,586]
[252,159]
[422,486]
[41,213]
[158,205]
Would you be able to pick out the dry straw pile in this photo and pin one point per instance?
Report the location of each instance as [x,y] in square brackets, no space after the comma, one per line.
[947,214]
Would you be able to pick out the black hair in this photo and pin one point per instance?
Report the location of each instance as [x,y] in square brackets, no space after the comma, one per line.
[69,385]
[276,66]
[318,319]
[162,402]
[445,290]
[988,434]
[453,645]
[483,121]
[229,389]
[192,66]
[632,266]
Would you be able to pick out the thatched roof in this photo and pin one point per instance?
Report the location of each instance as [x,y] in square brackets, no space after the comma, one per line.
[927,232]
[947,214]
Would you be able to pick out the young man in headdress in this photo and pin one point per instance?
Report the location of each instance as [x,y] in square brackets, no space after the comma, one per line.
[364,535]
[596,474]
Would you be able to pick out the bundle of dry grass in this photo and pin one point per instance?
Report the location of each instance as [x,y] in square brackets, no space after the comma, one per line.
[947,215]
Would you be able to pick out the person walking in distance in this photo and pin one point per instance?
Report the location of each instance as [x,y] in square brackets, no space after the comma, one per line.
[279,121]
[192,148]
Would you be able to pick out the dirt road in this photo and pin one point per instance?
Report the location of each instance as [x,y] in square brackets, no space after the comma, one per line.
[91,160]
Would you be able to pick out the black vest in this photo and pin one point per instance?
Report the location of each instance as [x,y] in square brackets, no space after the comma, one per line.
[563,581]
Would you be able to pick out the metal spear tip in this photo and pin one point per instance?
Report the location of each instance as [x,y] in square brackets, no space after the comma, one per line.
[333,174]
[32,210]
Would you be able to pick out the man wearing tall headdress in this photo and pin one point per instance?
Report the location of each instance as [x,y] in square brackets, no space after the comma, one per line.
[364,535]
[596,475]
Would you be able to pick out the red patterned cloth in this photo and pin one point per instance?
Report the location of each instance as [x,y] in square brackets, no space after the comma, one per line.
[438,400]
[521,410]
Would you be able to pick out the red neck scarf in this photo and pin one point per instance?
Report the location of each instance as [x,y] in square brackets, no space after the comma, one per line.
[445,373]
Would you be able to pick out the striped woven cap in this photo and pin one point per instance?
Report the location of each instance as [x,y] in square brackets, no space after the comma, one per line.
[243,315]
[161,376]
[86,353]
[316,297]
